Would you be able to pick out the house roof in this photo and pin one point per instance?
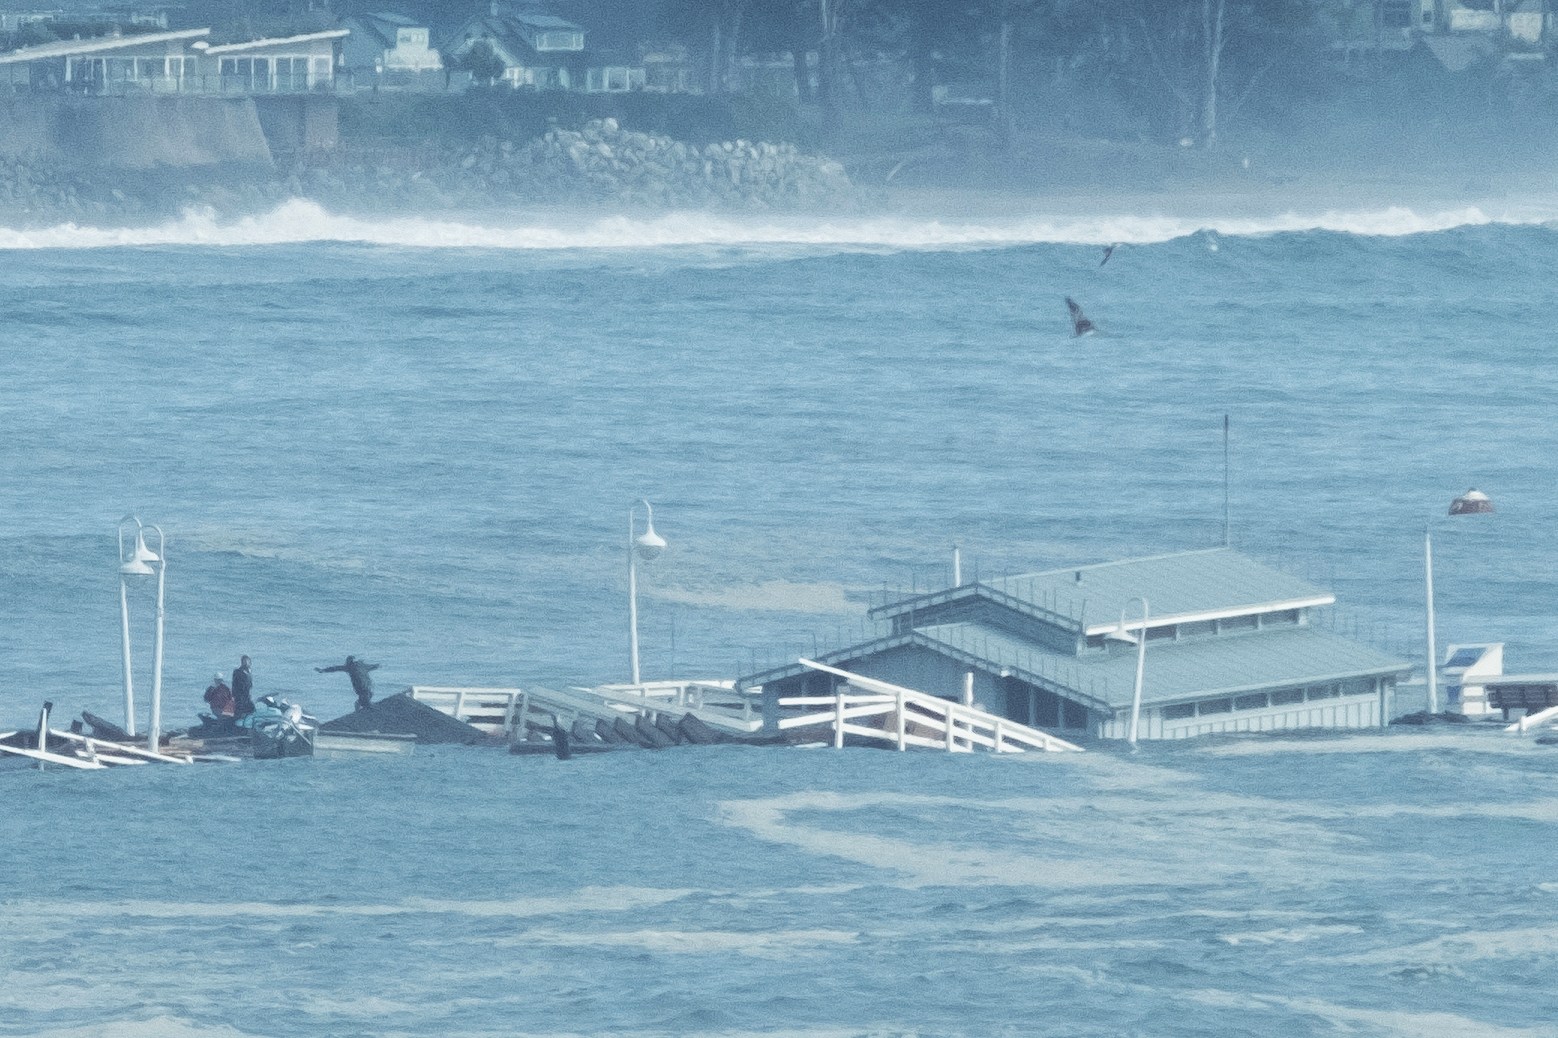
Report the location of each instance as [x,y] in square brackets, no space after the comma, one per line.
[97,45]
[276,41]
[509,32]
[1223,665]
[380,27]
[1186,586]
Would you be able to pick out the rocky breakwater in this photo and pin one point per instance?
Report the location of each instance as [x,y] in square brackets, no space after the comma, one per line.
[599,163]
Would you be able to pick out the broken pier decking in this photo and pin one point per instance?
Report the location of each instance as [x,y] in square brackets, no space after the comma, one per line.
[660,714]
[515,713]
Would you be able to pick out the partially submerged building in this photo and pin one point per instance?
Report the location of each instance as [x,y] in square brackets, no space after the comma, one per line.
[1231,646]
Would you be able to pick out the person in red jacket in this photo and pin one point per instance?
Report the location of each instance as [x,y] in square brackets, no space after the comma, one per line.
[220,698]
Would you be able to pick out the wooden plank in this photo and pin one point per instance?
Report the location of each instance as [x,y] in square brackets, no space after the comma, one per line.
[114,747]
[53,758]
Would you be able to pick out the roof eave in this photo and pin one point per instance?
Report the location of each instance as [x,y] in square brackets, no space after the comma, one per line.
[1235,690]
[97,44]
[1215,614]
[277,41]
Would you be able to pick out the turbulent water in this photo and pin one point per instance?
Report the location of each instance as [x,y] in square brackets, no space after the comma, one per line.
[418,441]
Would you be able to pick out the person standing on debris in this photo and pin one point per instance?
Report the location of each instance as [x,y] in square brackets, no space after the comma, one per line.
[357,670]
[219,697]
[243,687]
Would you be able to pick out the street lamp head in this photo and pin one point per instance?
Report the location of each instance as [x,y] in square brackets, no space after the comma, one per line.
[1473,502]
[139,562]
[649,544]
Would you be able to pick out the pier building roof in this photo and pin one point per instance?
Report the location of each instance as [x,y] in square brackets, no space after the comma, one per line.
[1183,587]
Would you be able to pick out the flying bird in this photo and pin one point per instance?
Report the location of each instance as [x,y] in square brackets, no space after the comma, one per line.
[1080,325]
[1108,251]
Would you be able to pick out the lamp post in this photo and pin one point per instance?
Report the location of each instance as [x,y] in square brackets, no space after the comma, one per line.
[1473,502]
[646,545]
[1141,662]
[141,561]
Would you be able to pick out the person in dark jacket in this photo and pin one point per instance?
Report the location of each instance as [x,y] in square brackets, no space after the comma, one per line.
[243,689]
[357,670]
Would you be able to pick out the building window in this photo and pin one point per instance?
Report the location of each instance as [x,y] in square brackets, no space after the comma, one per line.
[1254,701]
[1323,692]
[1214,706]
[1197,628]
[1281,618]
[1287,696]
[1236,623]
[1155,634]
[1179,711]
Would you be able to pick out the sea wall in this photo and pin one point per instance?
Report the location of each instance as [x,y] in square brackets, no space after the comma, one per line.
[133,133]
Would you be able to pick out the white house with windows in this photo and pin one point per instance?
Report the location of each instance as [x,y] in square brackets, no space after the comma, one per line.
[174,62]
[383,44]
[538,50]
[277,65]
[153,62]
[1231,645]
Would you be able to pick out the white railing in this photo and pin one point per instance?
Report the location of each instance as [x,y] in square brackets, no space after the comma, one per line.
[491,710]
[509,711]
[911,718]
[1536,720]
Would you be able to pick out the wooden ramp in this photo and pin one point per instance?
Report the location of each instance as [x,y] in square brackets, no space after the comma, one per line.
[878,711]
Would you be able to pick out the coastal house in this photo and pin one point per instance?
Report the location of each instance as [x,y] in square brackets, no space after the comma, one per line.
[273,65]
[537,49]
[668,69]
[1455,33]
[173,62]
[153,62]
[1231,646]
[390,50]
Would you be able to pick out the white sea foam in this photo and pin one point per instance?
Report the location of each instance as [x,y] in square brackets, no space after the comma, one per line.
[300,221]
[586,899]
[1343,1019]
[155,1027]
[775,595]
[754,944]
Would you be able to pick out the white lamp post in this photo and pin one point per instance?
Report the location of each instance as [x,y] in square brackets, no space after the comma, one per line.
[141,561]
[1141,661]
[646,545]
[1473,502]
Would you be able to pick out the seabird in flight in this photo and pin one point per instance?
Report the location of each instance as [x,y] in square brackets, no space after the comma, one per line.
[1108,251]
[1080,325]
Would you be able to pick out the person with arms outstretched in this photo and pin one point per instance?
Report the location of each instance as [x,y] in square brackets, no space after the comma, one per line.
[357,670]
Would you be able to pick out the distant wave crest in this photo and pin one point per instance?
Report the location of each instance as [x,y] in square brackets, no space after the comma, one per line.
[300,222]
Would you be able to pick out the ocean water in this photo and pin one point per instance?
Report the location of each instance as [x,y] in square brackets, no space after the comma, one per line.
[418,441]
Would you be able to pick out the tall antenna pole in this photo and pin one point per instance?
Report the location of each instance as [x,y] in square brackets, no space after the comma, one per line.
[1225,480]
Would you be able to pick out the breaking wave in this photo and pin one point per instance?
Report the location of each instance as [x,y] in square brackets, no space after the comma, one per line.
[302,222]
